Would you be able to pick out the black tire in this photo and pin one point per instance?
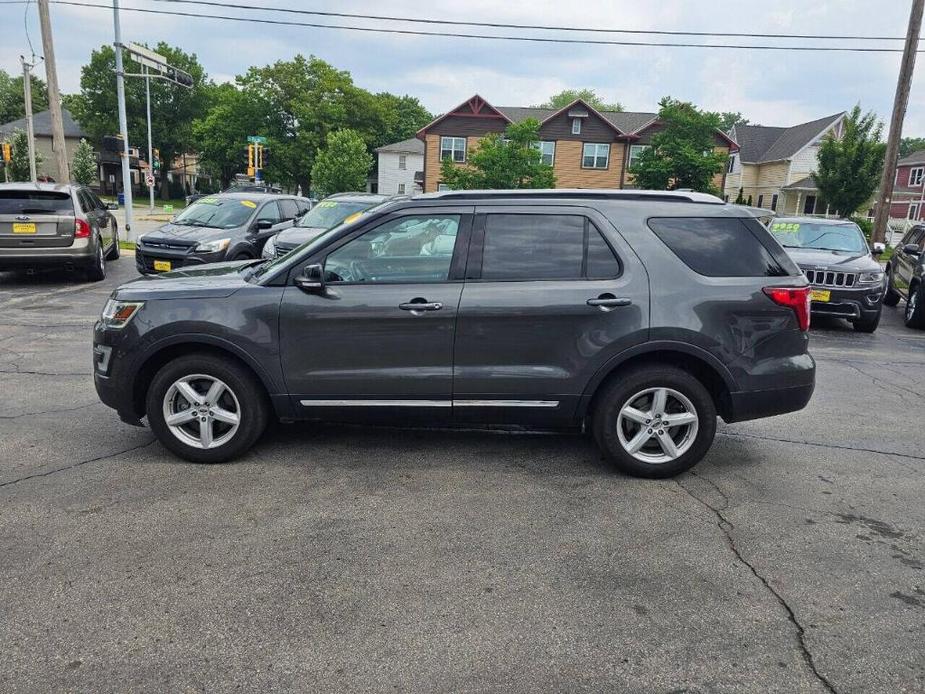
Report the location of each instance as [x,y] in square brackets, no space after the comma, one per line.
[867,325]
[96,270]
[622,390]
[914,315]
[245,394]
[114,251]
[891,296]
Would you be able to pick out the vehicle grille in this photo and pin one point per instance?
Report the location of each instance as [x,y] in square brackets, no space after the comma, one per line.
[829,278]
[168,246]
[280,252]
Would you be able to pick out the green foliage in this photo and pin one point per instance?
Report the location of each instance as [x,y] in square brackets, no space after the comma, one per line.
[866,225]
[908,145]
[401,116]
[343,165]
[511,161]
[850,167]
[173,108]
[681,154]
[749,203]
[18,167]
[83,170]
[729,118]
[12,101]
[567,96]
[740,200]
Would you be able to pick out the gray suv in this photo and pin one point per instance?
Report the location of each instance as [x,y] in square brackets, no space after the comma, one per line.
[639,316]
[906,277]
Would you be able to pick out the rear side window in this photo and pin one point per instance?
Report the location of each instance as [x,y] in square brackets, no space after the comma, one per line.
[723,246]
[30,202]
[545,247]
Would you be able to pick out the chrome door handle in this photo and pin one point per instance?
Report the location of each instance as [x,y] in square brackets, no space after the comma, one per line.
[415,306]
[609,301]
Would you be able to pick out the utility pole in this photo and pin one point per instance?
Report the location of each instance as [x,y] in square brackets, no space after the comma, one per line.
[150,148]
[30,132]
[54,96]
[123,121]
[900,102]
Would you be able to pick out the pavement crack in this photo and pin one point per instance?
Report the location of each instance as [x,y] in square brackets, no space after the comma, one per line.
[77,464]
[36,414]
[726,527]
[19,372]
[884,385]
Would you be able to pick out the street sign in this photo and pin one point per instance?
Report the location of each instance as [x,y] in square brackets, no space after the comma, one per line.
[149,181]
[257,139]
[147,57]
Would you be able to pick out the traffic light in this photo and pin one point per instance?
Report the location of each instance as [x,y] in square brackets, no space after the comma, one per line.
[7,151]
[156,156]
[250,160]
[181,77]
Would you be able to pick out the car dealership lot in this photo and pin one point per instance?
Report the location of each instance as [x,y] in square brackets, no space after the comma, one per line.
[349,558]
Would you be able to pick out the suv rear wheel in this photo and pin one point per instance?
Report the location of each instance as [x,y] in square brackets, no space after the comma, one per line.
[655,422]
[206,409]
[915,307]
[891,296]
[115,251]
[96,270]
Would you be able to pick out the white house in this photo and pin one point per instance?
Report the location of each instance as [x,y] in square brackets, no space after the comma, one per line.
[401,167]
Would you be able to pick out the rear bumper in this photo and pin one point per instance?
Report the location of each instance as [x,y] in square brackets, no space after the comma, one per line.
[80,252]
[755,404]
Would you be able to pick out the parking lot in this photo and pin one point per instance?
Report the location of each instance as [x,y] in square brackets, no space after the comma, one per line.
[368,559]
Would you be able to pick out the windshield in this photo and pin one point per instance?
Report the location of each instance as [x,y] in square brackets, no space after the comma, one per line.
[824,237]
[330,213]
[217,213]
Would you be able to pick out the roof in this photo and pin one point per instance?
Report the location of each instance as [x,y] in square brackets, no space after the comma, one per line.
[41,125]
[359,197]
[625,121]
[807,183]
[917,157]
[40,186]
[612,193]
[761,143]
[410,146]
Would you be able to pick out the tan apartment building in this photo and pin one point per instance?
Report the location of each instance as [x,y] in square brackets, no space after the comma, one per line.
[587,148]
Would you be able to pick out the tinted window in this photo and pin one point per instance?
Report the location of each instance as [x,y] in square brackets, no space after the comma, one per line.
[409,249]
[542,247]
[288,209]
[723,246]
[86,202]
[269,212]
[35,202]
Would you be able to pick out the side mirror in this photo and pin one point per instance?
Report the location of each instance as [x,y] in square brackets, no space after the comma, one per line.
[263,224]
[311,280]
[912,249]
[112,206]
[878,248]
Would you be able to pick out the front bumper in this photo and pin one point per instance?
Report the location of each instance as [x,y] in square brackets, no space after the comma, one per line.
[145,257]
[854,303]
[113,374]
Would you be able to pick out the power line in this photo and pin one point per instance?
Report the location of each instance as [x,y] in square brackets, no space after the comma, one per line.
[532,39]
[545,27]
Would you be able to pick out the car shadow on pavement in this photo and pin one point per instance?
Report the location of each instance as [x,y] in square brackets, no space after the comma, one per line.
[54,277]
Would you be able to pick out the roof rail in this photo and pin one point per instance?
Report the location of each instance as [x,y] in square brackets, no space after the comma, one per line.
[580,193]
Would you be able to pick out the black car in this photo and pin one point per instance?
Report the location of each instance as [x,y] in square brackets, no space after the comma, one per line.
[53,224]
[847,281]
[641,316]
[231,226]
[906,277]
[325,215]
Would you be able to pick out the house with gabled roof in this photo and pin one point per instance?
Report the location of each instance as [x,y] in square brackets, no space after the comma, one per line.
[908,201]
[775,165]
[587,148]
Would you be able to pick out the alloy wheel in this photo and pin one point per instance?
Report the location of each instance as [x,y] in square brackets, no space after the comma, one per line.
[911,304]
[657,425]
[202,411]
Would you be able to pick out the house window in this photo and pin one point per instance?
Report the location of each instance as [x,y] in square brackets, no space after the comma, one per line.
[442,187]
[401,188]
[774,202]
[548,150]
[635,152]
[760,200]
[402,161]
[453,148]
[731,164]
[809,205]
[913,211]
[916,175]
[595,156]
[576,126]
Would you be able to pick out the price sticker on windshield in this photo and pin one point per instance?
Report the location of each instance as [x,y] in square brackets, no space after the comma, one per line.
[326,203]
[208,201]
[786,227]
[248,203]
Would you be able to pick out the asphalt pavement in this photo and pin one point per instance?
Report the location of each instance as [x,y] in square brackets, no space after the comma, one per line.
[335,558]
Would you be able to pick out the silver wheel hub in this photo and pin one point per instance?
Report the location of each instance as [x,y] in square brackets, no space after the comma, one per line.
[657,425]
[202,411]
[911,303]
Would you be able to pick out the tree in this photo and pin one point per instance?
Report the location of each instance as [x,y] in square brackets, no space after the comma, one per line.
[681,154]
[12,101]
[402,117]
[850,167]
[83,169]
[221,134]
[727,119]
[567,96]
[908,145]
[511,161]
[343,164]
[19,160]
[740,199]
[173,107]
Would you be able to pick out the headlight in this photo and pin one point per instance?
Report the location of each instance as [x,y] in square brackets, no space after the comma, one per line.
[870,278]
[116,314]
[269,249]
[212,246]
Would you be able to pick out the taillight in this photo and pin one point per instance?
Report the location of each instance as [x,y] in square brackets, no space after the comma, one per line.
[81,229]
[797,298]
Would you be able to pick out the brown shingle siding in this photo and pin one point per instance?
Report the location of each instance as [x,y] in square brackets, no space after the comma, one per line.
[570,174]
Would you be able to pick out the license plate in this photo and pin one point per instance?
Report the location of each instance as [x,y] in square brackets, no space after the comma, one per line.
[23,227]
[821,295]
[162,265]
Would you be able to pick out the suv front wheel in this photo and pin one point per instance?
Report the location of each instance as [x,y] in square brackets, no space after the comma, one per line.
[914,316]
[206,409]
[655,422]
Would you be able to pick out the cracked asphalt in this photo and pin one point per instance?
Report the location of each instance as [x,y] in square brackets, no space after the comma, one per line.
[792,559]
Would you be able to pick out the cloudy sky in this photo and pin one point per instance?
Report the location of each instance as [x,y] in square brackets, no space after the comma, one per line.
[772,88]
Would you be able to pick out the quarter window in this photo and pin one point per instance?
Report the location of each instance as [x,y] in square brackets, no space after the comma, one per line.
[916,175]
[595,156]
[404,250]
[547,150]
[635,152]
[545,247]
[453,148]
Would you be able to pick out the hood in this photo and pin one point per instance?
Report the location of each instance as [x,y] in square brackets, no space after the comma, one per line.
[212,281]
[296,236]
[171,231]
[846,261]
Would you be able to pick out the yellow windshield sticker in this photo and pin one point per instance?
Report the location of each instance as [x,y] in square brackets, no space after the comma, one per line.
[785,227]
[353,217]
[208,201]
[248,203]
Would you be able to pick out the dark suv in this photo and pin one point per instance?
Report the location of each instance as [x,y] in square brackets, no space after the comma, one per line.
[906,277]
[640,316]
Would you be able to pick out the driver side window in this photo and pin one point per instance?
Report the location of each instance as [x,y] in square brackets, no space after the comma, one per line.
[404,250]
